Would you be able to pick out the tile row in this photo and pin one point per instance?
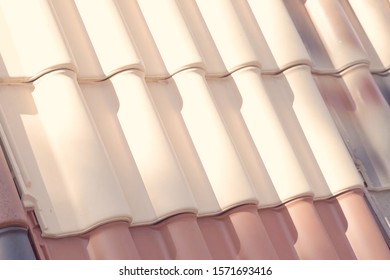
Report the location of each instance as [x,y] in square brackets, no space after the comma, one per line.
[85,153]
[97,40]
[338,228]
[223,124]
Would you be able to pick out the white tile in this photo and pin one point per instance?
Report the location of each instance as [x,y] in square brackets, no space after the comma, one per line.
[66,174]
[265,107]
[31,40]
[322,135]
[236,34]
[279,32]
[171,36]
[98,38]
[374,16]
[146,46]
[143,159]
[202,143]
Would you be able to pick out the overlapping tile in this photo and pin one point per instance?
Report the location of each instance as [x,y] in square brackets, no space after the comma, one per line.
[197,129]
[32,43]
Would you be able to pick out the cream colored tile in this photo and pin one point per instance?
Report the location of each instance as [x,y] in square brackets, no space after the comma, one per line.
[151,178]
[143,38]
[321,133]
[267,111]
[98,38]
[65,171]
[236,35]
[279,32]
[171,36]
[202,142]
[31,41]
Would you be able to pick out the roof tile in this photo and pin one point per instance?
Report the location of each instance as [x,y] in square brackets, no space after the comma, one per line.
[32,43]
[195,129]
[279,31]
[234,38]
[98,38]
[336,32]
[374,17]
[178,51]
[142,157]
[214,148]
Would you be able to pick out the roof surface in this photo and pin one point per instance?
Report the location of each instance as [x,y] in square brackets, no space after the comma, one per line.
[195,129]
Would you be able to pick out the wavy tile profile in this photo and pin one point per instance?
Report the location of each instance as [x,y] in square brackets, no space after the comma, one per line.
[248,129]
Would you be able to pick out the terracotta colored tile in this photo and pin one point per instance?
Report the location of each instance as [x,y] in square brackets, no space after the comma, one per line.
[336,224]
[312,240]
[178,237]
[362,231]
[281,231]
[352,227]
[238,234]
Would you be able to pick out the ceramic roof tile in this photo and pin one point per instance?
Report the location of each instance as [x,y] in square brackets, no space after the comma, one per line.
[98,38]
[374,16]
[336,32]
[254,101]
[32,43]
[362,115]
[297,230]
[279,31]
[141,154]
[178,51]
[349,212]
[51,130]
[189,93]
[319,57]
[14,244]
[237,234]
[238,41]
[371,115]
[194,129]
[322,135]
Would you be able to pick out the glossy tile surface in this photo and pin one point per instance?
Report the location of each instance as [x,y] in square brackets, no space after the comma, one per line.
[196,129]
